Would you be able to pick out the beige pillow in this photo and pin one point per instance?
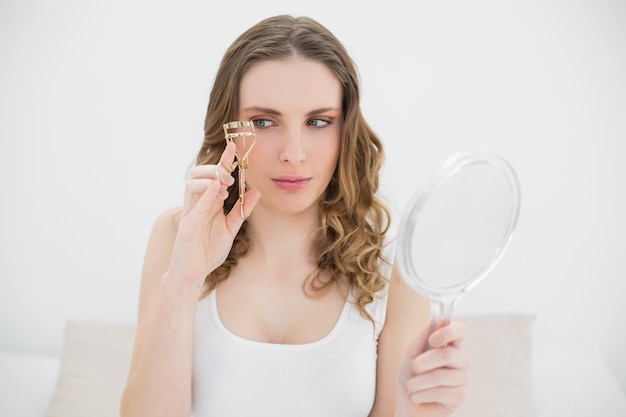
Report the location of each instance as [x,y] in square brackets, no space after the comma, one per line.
[501,372]
[96,358]
[93,371]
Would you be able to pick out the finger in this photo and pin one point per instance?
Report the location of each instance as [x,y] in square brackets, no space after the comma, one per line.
[442,377]
[225,167]
[228,157]
[208,204]
[234,219]
[195,189]
[213,172]
[445,357]
[451,334]
[449,397]
[225,163]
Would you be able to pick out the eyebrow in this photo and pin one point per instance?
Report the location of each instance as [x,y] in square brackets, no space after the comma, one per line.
[275,112]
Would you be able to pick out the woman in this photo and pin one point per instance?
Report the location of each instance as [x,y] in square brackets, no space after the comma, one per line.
[276,299]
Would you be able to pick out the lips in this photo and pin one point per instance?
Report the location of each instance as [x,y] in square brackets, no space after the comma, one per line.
[291,182]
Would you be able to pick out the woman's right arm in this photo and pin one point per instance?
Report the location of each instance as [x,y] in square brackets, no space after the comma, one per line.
[185,245]
[159,382]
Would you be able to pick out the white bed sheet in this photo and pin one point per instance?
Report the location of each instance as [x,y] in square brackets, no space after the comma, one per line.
[27,382]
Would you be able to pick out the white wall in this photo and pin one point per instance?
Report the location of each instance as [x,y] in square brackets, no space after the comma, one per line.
[102,106]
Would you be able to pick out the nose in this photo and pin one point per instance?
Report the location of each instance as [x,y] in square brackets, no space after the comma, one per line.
[292,150]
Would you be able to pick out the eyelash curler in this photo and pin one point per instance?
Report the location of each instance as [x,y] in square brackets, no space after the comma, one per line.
[243,130]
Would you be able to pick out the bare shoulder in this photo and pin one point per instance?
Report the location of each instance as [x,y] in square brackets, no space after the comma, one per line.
[166,223]
[164,231]
[161,243]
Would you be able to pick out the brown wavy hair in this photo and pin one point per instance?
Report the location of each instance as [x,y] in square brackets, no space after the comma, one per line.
[353,220]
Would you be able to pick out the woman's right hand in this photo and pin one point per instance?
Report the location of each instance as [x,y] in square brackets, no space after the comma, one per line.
[205,234]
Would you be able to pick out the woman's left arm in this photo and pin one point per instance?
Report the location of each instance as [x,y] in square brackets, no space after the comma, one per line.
[410,381]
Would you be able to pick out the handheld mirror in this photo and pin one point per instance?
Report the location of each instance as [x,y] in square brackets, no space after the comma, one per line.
[456,227]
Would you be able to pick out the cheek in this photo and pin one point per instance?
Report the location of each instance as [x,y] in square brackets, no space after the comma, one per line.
[259,154]
[330,152]
[258,160]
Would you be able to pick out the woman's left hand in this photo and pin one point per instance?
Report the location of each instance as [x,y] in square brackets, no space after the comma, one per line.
[434,383]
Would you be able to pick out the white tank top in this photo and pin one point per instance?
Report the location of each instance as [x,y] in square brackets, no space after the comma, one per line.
[334,376]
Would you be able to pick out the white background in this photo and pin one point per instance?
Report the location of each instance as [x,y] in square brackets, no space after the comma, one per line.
[102,107]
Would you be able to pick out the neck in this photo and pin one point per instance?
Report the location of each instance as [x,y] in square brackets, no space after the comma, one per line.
[283,241]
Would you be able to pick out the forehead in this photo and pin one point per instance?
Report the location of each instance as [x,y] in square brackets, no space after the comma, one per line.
[291,83]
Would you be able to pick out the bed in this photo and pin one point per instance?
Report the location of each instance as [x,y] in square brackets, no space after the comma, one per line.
[520,367]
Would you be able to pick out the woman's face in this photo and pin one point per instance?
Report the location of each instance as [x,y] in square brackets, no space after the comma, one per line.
[295,105]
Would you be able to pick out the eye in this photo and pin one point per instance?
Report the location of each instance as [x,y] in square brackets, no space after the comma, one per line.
[317,123]
[262,123]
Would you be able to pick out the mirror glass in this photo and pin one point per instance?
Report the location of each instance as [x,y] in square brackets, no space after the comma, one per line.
[456,227]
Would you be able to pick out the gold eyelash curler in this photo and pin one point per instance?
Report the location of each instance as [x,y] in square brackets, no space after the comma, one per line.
[234,130]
